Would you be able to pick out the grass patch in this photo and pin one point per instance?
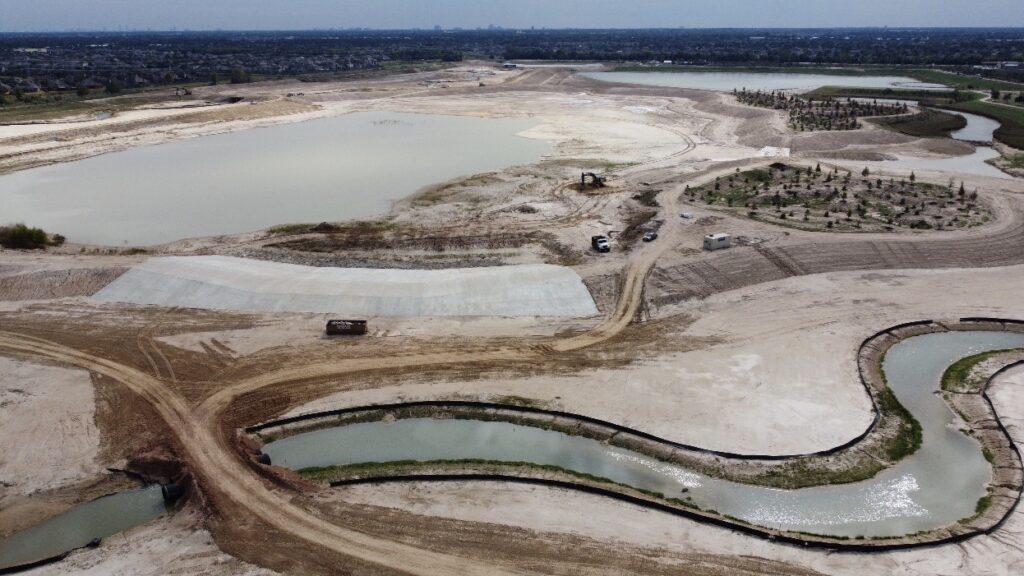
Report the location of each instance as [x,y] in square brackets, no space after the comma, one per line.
[803,474]
[956,378]
[288,229]
[648,198]
[984,503]
[397,467]
[908,439]
[885,93]
[513,400]
[927,123]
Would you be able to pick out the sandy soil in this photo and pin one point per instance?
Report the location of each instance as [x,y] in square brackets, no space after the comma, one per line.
[48,416]
[779,375]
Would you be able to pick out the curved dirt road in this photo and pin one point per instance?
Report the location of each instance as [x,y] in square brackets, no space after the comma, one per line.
[223,475]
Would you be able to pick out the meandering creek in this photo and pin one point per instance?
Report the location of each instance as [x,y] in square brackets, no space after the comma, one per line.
[937,486]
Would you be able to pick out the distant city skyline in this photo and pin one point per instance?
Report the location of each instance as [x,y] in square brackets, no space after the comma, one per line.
[116,15]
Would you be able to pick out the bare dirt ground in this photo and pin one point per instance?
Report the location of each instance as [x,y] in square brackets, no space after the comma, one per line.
[751,348]
[540,508]
[780,355]
[55,408]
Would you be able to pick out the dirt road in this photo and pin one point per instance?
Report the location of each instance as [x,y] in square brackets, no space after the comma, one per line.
[230,483]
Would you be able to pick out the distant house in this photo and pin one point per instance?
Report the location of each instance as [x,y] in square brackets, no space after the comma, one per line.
[55,85]
[5,89]
[26,85]
[92,84]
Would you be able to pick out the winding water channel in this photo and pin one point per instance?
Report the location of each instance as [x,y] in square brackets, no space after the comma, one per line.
[937,486]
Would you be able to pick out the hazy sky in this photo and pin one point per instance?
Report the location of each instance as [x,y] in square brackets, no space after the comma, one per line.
[35,15]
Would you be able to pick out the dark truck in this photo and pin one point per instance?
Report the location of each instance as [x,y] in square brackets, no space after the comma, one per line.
[600,243]
[346,327]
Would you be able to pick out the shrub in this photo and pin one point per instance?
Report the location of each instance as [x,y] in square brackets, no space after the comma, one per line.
[22,237]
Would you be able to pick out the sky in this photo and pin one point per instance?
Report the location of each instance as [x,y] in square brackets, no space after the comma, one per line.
[55,15]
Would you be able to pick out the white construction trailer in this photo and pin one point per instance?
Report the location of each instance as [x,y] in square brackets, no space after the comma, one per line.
[717,241]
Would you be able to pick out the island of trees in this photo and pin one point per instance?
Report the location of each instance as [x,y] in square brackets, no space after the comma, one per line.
[809,114]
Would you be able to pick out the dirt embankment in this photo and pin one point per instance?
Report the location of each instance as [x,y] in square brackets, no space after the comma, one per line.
[746,266]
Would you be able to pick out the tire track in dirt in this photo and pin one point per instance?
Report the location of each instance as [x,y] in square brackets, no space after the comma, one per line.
[233,486]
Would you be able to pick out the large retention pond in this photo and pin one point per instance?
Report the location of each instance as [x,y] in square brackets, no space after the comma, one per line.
[331,169]
[937,486]
[729,81]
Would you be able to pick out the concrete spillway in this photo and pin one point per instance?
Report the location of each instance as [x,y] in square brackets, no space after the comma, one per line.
[226,283]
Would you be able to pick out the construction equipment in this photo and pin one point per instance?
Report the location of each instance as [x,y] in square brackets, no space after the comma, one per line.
[346,327]
[595,180]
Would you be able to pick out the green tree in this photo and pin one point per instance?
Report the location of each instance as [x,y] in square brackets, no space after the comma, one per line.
[113,87]
[82,91]
[239,76]
[214,80]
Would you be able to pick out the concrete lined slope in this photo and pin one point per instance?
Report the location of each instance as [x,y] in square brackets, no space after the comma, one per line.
[227,283]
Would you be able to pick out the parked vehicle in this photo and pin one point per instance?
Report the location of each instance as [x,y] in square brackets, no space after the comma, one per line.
[650,237]
[717,241]
[686,215]
[600,243]
[346,327]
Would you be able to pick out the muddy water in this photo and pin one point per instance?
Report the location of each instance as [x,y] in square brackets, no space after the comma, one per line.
[77,527]
[978,129]
[352,166]
[729,81]
[937,486]
[974,163]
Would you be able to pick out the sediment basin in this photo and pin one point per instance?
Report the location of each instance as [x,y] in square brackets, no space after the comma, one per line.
[81,525]
[329,169]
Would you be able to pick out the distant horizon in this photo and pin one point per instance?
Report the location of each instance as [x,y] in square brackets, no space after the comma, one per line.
[303,15]
[498,28]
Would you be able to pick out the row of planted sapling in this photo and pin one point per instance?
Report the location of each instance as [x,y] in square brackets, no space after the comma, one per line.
[808,114]
[837,200]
